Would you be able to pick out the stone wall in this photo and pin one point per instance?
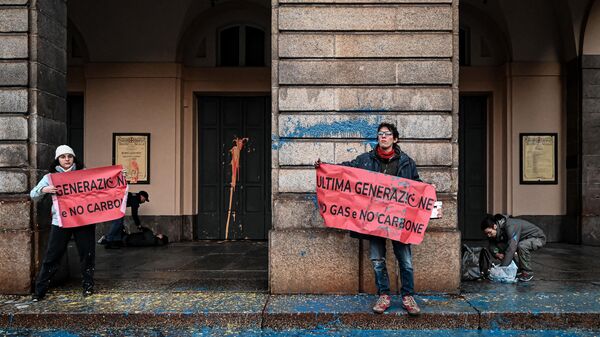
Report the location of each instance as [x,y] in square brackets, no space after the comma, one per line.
[339,69]
[590,151]
[32,123]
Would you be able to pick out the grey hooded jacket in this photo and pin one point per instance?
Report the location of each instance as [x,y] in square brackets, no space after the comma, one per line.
[512,230]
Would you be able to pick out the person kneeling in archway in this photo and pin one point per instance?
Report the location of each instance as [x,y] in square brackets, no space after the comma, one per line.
[115,236]
[508,236]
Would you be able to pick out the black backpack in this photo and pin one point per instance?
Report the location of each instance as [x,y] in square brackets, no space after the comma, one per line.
[485,262]
[469,263]
[476,263]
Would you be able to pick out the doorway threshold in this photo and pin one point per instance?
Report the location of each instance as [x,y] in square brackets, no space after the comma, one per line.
[237,266]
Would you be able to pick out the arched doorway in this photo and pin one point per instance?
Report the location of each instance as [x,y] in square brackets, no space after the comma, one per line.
[135,78]
[590,125]
[231,116]
[529,78]
[482,174]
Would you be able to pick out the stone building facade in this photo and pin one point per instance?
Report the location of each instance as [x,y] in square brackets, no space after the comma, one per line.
[33,69]
[337,73]
[332,71]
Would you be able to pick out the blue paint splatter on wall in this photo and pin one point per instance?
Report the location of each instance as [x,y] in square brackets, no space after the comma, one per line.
[313,198]
[277,143]
[353,128]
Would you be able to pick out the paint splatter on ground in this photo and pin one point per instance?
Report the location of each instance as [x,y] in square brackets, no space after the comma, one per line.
[208,332]
[564,294]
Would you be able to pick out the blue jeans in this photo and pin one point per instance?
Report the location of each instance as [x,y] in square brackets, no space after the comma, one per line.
[404,257]
[116,230]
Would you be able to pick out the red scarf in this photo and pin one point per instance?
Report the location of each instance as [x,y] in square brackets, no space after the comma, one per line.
[385,155]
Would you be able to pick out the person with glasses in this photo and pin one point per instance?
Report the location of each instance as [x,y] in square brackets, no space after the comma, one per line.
[388,158]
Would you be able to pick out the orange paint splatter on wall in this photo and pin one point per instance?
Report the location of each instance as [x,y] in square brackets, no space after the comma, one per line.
[236,149]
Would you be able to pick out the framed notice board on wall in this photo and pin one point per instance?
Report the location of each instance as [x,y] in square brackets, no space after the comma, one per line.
[132,151]
[538,158]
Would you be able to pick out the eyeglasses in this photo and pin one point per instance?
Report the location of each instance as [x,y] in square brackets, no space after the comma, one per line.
[384,133]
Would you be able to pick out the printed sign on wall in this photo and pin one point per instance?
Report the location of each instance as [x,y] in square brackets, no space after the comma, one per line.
[132,151]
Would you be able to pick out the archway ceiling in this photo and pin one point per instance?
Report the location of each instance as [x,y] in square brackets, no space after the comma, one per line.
[536,30]
[132,31]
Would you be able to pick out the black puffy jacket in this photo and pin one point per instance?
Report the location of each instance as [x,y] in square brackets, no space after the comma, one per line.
[371,162]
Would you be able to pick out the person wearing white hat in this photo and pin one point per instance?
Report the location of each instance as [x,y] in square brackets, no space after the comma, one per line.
[85,236]
[62,150]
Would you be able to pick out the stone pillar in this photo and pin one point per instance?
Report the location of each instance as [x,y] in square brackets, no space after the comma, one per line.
[339,69]
[590,151]
[32,123]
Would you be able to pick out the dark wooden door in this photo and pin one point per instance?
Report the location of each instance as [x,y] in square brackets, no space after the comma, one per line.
[473,169]
[75,123]
[222,119]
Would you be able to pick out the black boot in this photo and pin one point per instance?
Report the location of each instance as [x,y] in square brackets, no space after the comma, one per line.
[88,291]
[36,297]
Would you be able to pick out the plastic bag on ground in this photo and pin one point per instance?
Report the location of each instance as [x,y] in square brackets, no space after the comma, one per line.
[502,274]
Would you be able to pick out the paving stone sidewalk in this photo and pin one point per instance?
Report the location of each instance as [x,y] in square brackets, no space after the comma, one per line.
[537,305]
[564,295]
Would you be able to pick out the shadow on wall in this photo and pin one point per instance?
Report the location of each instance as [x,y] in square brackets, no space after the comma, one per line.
[554,226]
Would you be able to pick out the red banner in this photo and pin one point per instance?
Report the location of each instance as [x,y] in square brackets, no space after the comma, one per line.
[373,203]
[85,197]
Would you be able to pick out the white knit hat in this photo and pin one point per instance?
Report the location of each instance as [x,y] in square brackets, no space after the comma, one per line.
[63,149]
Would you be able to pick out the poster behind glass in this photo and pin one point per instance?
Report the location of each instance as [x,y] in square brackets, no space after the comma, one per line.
[132,151]
[538,158]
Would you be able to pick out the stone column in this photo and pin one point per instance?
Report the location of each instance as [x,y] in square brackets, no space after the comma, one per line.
[590,151]
[339,69]
[32,123]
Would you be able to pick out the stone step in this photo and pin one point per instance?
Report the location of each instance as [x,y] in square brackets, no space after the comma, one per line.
[232,332]
[246,310]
